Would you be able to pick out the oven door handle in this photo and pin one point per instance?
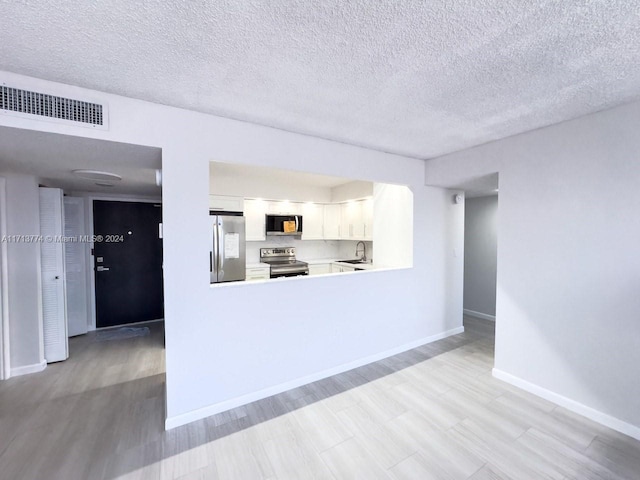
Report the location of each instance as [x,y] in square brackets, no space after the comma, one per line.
[289,270]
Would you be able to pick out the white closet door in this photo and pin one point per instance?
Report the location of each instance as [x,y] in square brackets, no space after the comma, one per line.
[54,313]
[75,263]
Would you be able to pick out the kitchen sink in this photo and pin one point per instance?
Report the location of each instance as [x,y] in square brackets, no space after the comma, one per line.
[353,262]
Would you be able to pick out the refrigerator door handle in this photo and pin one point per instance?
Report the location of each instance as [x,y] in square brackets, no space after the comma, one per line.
[214,254]
[220,251]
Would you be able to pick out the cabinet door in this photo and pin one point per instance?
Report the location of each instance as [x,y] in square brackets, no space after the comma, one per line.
[257,274]
[351,223]
[312,221]
[283,208]
[332,222]
[358,225]
[336,268]
[367,218]
[225,203]
[320,269]
[254,212]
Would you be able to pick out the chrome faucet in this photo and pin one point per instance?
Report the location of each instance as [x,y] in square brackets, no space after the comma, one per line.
[363,256]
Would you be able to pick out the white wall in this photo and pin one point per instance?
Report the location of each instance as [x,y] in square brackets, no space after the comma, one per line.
[351,191]
[257,187]
[228,345]
[568,260]
[480,254]
[24,289]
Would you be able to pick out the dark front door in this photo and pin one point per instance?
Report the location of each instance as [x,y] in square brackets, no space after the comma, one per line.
[127,262]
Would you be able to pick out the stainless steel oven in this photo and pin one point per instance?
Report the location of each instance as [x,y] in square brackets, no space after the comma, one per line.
[282,262]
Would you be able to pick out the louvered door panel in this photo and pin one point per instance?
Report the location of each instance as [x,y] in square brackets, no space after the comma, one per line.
[52,269]
[75,262]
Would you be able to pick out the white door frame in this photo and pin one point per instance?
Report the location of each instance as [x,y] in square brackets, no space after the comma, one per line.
[91,263]
[5,359]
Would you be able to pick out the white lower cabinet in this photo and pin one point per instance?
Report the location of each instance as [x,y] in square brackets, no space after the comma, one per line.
[320,269]
[260,273]
[335,268]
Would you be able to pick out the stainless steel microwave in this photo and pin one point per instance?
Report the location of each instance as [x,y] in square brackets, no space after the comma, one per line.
[283,225]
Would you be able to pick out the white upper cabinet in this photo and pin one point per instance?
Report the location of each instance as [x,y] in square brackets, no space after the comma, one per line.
[331,221]
[225,203]
[312,221]
[367,218]
[254,213]
[351,225]
[283,208]
[357,220]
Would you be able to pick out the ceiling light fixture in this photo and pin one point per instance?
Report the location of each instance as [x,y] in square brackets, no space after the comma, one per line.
[104,184]
[97,175]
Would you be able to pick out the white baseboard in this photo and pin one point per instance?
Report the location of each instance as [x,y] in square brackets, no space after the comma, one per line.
[26,369]
[192,416]
[579,408]
[134,324]
[483,316]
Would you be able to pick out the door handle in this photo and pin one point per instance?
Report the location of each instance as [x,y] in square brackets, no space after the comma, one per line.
[103,269]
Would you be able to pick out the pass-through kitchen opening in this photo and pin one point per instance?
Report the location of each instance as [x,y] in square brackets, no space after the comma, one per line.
[267,224]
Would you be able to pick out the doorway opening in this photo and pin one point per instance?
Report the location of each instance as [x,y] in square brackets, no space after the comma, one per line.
[480,261]
[127,255]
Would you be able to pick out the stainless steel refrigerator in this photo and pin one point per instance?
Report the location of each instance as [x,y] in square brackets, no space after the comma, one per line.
[227,260]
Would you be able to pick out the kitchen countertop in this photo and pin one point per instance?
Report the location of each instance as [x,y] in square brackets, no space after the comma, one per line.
[257,265]
[319,261]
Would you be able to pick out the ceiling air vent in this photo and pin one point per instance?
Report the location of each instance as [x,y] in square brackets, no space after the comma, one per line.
[50,106]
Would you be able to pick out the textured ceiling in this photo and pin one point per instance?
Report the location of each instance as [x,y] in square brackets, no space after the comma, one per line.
[420,78]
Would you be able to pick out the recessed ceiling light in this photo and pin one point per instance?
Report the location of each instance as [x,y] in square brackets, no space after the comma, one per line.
[104,184]
[97,175]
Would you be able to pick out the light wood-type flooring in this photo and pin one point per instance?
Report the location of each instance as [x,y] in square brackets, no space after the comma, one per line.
[431,413]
